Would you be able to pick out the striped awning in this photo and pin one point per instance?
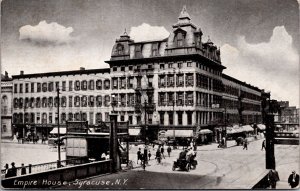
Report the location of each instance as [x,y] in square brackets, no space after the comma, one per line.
[205,131]
[247,128]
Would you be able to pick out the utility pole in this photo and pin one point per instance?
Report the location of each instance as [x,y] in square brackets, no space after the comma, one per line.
[58,130]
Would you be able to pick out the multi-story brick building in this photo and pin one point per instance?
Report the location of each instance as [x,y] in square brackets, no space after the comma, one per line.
[6,106]
[179,79]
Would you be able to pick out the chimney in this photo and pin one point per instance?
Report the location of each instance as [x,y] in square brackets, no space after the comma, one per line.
[21,72]
[81,68]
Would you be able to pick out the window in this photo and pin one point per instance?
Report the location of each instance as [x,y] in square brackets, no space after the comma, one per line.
[170,118]
[63,85]
[16,103]
[44,102]
[179,115]
[179,39]
[189,79]
[171,100]
[20,103]
[44,118]
[130,100]
[4,104]
[84,85]
[162,101]
[91,85]
[180,99]
[180,80]
[84,116]
[123,100]
[189,98]
[115,69]
[162,66]
[115,83]
[170,82]
[63,101]
[130,82]
[31,102]
[150,81]
[107,116]
[26,102]
[91,101]
[120,49]
[70,101]
[15,88]
[170,65]
[162,117]
[70,85]
[99,101]
[139,82]
[123,83]
[50,118]
[38,87]
[150,66]
[26,88]
[57,85]
[123,68]
[122,118]
[179,64]
[77,85]
[189,64]
[44,87]
[83,101]
[161,81]
[77,117]
[106,84]
[189,118]
[32,87]
[63,118]
[98,118]
[77,101]
[70,117]
[50,87]
[107,100]
[21,88]
[130,119]
[130,68]
[99,84]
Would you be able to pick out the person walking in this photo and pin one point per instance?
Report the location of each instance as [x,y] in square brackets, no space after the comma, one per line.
[245,144]
[158,156]
[6,170]
[263,145]
[293,179]
[162,150]
[23,169]
[149,155]
[273,177]
[169,150]
[12,171]
[139,153]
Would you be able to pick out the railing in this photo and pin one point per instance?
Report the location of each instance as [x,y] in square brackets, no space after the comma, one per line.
[48,166]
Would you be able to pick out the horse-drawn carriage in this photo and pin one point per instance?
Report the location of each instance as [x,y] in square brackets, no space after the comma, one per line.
[185,162]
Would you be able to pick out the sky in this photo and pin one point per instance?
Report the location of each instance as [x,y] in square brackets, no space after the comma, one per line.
[259,39]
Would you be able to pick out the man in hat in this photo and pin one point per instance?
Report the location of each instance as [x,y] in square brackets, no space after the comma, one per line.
[293,180]
[273,177]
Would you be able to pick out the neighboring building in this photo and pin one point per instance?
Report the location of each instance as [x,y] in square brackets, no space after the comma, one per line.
[6,106]
[84,95]
[179,79]
[288,117]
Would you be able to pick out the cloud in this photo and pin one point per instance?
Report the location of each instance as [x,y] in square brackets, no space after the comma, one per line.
[46,34]
[146,32]
[271,65]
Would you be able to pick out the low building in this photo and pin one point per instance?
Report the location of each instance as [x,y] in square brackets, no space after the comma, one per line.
[6,106]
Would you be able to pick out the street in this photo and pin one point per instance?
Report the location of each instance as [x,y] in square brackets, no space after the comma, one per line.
[230,168]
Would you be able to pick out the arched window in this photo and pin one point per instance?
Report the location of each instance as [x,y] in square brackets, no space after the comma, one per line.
[44,102]
[91,85]
[77,101]
[16,102]
[26,102]
[120,49]
[63,101]
[32,102]
[77,116]
[91,101]
[26,117]
[15,118]
[83,101]
[84,85]
[32,118]
[99,84]
[70,117]
[20,103]
[63,117]
[38,102]
[179,39]
[107,84]
[99,101]
[107,101]
[50,102]
[44,118]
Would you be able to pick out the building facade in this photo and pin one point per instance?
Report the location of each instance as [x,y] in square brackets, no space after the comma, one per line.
[173,83]
[6,106]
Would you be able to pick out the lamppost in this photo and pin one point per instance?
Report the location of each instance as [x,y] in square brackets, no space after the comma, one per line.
[58,131]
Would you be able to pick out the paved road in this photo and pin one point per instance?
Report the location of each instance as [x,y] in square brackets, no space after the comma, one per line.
[231,168]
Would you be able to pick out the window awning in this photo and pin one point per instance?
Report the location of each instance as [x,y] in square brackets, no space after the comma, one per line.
[62,130]
[231,130]
[247,128]
[205,131]
[179,133]
[134,132]
[261,126]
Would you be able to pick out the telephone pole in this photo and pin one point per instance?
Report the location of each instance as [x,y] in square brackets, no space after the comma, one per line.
[58,132]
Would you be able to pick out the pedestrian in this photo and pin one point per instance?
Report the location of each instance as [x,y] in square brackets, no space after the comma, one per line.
[245,144]
[263,145]
[23,169]
[43,139]
[12,171]
[273,177]
[138,155]
[169,150]
[162,150]
[293,180]
[6,170]
[158,156]
[149,155]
